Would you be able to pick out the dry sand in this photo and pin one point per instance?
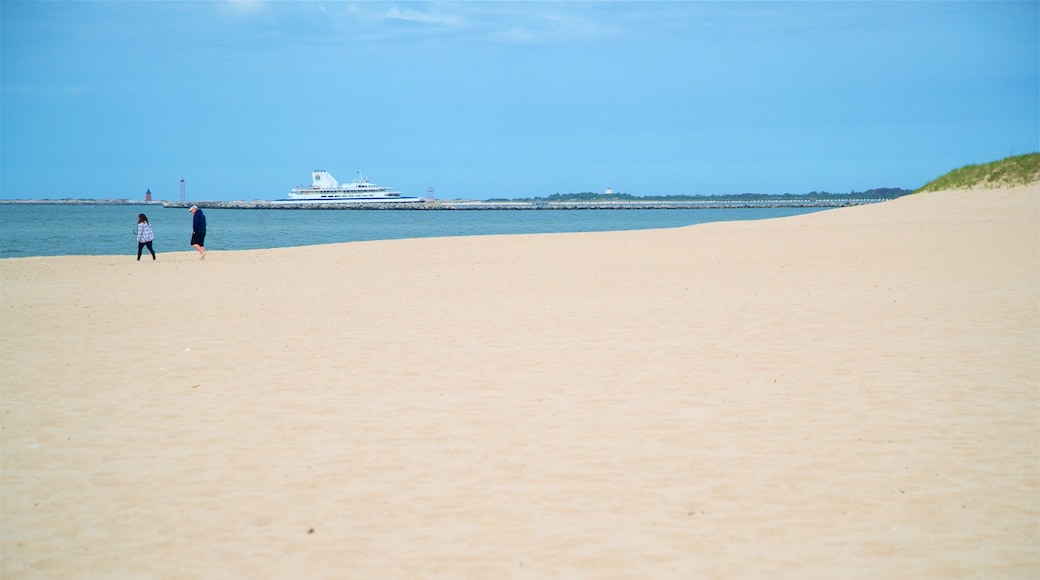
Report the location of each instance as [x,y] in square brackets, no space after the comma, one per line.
[852,393]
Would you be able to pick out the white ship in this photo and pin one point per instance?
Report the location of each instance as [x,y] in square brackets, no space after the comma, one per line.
[325,189]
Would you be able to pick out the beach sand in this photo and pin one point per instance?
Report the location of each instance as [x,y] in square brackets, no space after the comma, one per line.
[851,393]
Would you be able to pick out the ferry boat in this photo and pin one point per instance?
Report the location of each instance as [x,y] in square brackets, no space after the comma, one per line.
[325,189]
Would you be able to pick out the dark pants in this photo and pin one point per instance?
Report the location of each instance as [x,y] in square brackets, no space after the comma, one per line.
[141,245]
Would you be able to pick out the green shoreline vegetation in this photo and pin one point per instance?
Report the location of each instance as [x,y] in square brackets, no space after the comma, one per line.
[1008,172]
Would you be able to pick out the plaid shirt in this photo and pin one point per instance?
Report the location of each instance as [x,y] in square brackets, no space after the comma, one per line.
[144,232]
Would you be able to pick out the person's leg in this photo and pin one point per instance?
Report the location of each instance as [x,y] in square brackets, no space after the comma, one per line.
[149,244]
[198,241]
[140,245]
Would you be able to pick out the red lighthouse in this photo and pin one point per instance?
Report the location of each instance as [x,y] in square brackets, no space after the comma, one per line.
[148,195]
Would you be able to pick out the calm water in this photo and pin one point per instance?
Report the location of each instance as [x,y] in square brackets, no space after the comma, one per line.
[58,230]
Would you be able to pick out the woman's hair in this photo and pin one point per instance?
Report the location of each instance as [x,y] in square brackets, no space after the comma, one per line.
[142,218]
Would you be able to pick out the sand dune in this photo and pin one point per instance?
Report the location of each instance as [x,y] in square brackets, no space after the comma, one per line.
[852,393]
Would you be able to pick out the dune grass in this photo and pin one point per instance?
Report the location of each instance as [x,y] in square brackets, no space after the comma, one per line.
[1008,172]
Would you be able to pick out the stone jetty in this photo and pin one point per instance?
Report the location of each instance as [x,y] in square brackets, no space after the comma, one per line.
[555,205]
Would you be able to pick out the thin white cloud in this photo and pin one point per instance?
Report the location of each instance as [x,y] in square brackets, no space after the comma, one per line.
[547,23]
[500,22]
[518,35]
[432,17]
[243,6]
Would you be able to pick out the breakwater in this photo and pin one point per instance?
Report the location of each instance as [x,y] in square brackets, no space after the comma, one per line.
[555,205]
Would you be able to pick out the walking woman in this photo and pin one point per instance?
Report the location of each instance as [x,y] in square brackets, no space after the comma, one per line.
[144,236]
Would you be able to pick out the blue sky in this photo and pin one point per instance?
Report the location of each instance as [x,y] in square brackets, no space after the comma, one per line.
[243,99]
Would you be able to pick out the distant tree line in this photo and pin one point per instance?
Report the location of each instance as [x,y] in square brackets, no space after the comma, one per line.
[880,193]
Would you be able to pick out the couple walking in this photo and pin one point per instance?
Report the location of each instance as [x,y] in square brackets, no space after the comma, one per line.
[145,235]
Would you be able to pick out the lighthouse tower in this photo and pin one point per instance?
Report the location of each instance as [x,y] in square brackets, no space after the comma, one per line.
[148,195]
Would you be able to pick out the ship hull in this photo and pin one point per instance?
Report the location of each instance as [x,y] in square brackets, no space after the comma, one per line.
[325,188]
[350,200]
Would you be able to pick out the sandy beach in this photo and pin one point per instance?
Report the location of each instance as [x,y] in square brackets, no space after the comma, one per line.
[850,393]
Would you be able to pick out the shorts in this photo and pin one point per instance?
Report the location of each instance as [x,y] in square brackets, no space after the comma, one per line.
[198,238]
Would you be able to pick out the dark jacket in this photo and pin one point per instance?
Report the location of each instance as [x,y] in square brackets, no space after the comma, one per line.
[198,221]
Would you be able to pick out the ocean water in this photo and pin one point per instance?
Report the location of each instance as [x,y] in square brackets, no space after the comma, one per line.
[62,230]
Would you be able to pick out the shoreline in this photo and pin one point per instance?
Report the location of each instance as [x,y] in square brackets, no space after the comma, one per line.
[251,228]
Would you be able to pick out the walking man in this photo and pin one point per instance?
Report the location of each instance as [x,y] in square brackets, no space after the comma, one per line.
[198,231]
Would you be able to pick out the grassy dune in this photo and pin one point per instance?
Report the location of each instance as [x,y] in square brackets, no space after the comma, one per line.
[1008,172]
